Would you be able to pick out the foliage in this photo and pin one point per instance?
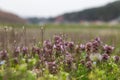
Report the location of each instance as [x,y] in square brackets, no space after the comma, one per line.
[60,59]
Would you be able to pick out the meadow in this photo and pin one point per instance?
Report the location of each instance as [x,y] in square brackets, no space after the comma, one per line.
[75,32]
[60,52]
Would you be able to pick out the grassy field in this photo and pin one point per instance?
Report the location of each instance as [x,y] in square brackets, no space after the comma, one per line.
[60,52]
[75,32]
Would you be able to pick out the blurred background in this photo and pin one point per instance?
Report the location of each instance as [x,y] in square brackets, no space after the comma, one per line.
[60,11]
[79,20]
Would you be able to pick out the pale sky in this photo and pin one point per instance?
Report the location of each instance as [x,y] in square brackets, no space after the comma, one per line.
[47,8]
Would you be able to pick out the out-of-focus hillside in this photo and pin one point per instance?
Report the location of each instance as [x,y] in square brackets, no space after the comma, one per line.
[6,17]
[105,13]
